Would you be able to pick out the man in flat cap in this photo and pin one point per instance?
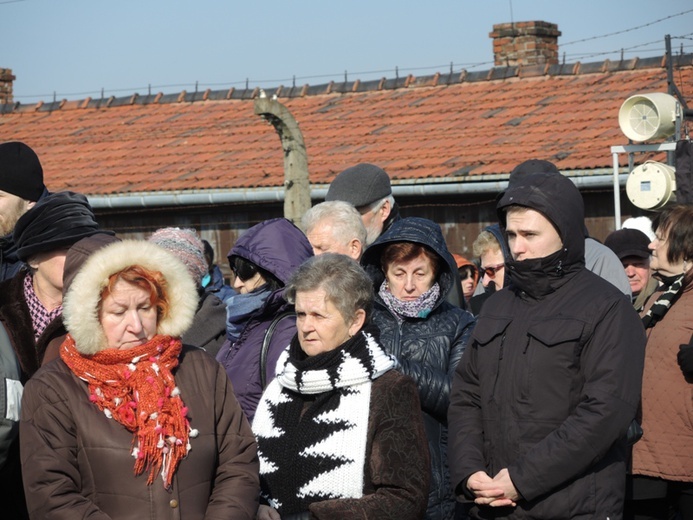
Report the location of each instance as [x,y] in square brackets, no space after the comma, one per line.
[21,186]
[367,188]
[632,248]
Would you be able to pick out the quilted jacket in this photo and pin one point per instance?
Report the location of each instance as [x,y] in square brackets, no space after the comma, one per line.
[428,349]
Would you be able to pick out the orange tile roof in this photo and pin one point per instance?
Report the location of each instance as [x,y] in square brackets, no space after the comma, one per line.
[437,127]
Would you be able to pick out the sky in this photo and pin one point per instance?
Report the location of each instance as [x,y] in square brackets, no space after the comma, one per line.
[73,49]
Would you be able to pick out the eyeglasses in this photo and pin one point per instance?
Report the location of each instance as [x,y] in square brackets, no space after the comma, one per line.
[491,270]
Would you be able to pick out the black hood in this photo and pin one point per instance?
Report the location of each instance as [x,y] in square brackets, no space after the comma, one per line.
[499,233]
[559,200]
[419,231]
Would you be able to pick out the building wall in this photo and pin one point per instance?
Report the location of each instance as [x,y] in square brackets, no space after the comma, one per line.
[460,219]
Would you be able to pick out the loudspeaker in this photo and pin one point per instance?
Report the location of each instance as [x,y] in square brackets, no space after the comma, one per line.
[645,117]
[651,185]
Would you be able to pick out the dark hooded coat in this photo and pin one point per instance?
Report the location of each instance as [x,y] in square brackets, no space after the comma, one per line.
[279,247]
[552,377]
[428,349]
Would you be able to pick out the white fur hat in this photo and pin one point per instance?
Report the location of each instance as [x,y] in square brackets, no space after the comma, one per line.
[81,303]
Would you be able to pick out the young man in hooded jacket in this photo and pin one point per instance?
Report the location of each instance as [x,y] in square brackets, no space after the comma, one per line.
[544,395]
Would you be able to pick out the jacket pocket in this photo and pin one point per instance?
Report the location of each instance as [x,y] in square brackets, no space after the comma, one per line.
[486,330]
[552,379]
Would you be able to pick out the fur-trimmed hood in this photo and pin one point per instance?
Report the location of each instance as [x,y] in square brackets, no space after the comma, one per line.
[81,303]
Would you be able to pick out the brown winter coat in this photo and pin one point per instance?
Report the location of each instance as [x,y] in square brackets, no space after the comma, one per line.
[83,468]
[666,448]
[397,469]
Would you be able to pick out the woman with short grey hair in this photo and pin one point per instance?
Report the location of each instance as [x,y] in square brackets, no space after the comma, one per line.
[339,431]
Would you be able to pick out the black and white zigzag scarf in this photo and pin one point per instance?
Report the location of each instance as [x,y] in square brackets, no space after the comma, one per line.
[664,302]
[312,421]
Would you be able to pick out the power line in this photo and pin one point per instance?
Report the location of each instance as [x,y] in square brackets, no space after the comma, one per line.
[452,66]
[627,30]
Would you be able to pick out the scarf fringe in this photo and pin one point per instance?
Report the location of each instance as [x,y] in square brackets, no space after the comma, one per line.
[136,388]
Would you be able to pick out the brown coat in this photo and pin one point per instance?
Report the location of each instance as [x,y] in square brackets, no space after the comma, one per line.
[76,463]
[397,471]
[666,448]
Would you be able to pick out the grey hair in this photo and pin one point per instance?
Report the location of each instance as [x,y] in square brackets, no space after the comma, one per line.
[373,207]
[345,218]
[344,281]
[486,241]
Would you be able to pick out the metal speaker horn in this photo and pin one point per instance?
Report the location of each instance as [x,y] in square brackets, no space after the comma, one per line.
[651,185]
[645,117]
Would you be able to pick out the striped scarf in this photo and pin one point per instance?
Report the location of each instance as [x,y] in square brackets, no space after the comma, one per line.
[312,423]
[136,388]
[664,302]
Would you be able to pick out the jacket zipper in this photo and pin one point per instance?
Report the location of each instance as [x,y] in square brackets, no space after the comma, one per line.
[500,359]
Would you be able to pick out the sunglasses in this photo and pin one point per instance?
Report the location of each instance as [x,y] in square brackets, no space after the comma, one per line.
[491,270]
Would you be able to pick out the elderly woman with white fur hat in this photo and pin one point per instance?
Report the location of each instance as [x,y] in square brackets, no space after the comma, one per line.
[129,423]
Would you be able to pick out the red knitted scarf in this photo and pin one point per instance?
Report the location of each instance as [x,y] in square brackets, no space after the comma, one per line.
[136,388]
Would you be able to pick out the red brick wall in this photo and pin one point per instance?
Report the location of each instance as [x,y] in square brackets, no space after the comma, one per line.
[525,43]
[6,80]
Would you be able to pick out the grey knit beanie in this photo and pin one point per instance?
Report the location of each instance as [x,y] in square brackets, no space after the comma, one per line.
[186,245]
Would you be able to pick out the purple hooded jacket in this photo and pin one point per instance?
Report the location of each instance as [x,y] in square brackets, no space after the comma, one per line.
[279,247]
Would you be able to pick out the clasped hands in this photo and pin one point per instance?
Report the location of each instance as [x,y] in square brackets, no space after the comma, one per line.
[498,491]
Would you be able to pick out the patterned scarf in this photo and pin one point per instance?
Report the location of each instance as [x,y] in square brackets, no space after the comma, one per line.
[136,388]
[40,317]
[419,308]
[312,423]
[664,302]
[239,308]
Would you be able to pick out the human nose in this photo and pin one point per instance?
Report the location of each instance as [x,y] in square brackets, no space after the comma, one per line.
[409,283]
[517,246]
[304,324]
[134,322]
[237,283]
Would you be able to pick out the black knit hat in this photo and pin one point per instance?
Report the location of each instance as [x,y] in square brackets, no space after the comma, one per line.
[360,185]
[628,242]
[20,171]
[56,221]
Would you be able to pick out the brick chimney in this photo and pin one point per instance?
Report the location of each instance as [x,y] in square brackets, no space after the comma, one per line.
[525,43]
[6,80]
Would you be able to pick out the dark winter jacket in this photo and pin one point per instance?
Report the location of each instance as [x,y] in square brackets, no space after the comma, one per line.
[31,354]
[428,349]
[10,264]
[551,379]
[208,330]
[279,247]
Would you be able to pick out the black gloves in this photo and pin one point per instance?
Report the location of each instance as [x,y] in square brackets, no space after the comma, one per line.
[685,359]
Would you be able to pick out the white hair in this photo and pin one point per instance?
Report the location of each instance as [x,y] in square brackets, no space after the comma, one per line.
[345,219]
